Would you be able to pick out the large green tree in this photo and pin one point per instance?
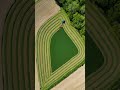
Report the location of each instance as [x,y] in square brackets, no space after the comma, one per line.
[75,10]
[78,20]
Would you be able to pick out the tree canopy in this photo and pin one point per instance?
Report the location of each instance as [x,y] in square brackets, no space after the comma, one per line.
[75,10]
[111,10]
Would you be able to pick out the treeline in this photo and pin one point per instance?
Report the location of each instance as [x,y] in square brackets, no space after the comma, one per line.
[111,10]
[75,10]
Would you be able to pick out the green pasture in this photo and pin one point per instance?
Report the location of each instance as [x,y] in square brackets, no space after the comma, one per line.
[62,49]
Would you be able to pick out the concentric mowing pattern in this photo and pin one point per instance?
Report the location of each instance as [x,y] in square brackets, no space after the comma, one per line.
[18,46]
[101,33]
[43,58]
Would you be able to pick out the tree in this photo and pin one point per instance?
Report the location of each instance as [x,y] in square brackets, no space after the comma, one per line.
[70,15]
[73,7]
[77,20]
[82,9]
[114,13]
[61,1]
[82,31]
[75,10]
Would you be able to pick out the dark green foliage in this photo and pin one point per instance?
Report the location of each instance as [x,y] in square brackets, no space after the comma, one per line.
[114,13]
[81,2]
[82,31]
[78,20]
[102,3]
[73,7]
[105,4]
[111,10]
[75,10]
[61,1]
[82,9]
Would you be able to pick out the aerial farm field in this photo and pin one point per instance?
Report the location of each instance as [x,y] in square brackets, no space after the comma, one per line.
[103,34]
[60,49]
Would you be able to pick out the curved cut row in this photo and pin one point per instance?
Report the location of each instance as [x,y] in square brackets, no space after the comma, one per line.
[62,49]
[18,46]
[101,33]
[47,78]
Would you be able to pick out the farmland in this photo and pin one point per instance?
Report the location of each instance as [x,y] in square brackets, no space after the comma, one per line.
[62,49]
[48,78]
[101,32]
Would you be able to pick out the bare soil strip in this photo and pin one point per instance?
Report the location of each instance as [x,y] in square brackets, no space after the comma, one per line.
[44,9]
[74,82]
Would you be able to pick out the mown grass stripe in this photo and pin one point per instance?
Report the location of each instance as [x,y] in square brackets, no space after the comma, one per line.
[99,24]
[49,35]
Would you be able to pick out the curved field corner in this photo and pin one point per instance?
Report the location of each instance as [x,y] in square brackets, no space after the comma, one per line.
[47,78]
[108,44]
[94,58]
[44,9]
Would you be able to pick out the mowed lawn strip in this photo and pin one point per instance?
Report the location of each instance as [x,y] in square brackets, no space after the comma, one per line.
[43,41]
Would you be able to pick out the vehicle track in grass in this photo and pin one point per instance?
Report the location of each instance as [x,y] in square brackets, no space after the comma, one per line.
[44,9]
